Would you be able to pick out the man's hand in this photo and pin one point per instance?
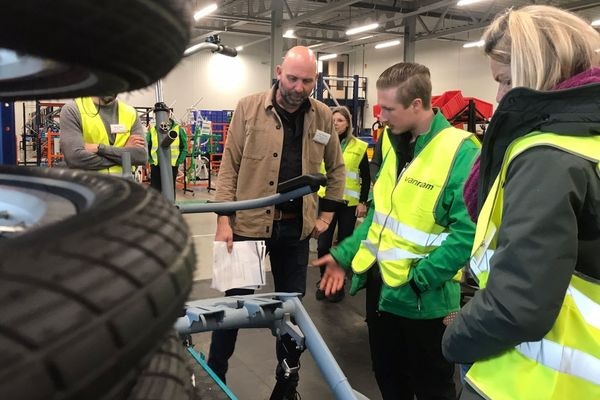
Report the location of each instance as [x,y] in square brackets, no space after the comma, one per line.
[361,210]
[224,232]
[322,223]
[135,141]
[91,147]
[333,279]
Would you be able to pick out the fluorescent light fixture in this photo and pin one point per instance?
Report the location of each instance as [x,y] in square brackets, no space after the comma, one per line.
[205,11]
[363,28]
[466,2]
[327,57]
[391,43]
[239,48]
[478,43]
[312,46]
[289,34]
[366,37]
[596,22]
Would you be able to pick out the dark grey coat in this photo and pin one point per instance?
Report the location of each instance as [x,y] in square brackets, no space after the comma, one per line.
[550,229]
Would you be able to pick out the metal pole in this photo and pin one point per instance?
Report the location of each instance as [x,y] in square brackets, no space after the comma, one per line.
[161,119]
[355,106]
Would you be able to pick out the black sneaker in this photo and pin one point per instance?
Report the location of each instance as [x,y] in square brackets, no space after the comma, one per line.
[285,390]
[337,296]
[320,294]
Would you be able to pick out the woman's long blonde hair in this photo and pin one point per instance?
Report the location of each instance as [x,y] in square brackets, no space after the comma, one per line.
[544,45]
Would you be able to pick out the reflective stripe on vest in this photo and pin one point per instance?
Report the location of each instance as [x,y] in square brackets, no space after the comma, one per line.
[94,130]
[174,146]
[565,364]
[353,154]
[404,229]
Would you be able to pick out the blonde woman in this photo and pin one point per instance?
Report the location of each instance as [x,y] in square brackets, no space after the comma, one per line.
[533,330]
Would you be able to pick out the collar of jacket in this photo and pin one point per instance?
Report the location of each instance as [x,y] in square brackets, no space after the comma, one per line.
[438,123]
[521,111]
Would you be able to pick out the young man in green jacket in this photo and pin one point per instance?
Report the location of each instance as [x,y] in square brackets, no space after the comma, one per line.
[415,239]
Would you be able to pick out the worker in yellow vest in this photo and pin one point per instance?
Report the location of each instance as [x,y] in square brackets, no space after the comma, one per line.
[414,240]
[95,132]
[533,330]
[178,151]
[356,191]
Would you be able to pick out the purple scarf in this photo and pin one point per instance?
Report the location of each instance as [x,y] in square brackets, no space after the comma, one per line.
[470,190]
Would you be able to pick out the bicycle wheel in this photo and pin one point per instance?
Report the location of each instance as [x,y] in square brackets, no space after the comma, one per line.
[84,300]
[96,47]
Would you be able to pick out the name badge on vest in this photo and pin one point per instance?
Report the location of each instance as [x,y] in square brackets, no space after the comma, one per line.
[117,128]
[321,137]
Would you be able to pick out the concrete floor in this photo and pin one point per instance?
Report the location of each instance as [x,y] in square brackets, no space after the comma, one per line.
[251,372]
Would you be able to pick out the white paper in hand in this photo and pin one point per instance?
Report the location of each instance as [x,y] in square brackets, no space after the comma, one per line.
[244,267]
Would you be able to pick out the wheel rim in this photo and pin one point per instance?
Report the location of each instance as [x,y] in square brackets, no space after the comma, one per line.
[27,202]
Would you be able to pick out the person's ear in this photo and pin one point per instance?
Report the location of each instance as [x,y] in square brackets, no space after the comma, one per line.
[278,72]
[417,104]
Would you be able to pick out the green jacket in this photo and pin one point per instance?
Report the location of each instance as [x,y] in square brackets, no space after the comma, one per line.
[439,294]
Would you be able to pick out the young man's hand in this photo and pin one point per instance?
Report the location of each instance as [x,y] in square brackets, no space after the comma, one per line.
[333,278]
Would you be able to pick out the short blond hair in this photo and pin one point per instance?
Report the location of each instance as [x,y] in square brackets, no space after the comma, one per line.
[412,81]
[544,45]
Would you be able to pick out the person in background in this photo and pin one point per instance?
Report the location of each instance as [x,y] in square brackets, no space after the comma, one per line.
[414,240]
[95,132]
[275,136]
[178,152]
[533,329]
[356,192]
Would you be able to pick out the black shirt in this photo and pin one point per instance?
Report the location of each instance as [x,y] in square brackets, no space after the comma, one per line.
[291,154]
[405,150]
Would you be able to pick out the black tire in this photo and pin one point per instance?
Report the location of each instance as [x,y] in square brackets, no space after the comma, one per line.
[167,376]
[84,300]
[103,47]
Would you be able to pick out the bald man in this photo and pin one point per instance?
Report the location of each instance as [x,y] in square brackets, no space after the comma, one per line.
[275,136]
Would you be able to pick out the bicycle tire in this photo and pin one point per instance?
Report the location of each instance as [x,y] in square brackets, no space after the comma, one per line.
[101,47]
[167,376]
[84,300]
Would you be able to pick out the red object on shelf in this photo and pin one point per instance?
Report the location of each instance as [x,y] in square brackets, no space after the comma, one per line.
[452,102]
[376,111]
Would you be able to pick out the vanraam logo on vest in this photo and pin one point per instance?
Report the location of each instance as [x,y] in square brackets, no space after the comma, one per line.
[418,183]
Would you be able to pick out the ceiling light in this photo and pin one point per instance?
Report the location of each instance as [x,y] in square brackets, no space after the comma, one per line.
[596,22]
[363,28]
[387,44]
[289,34]
[239,48]
[312,46]
[366,37]
[327,57]
[205,11]
[478,43]
[467,2]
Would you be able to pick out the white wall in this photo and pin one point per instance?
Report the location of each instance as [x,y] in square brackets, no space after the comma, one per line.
[212,81]
[209,81]
[452,68]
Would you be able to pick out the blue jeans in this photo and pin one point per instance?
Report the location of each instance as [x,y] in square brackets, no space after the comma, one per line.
[289,259]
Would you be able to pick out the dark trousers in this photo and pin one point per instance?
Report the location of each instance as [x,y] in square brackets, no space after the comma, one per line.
[155,177]
[289,259]
[406,353]
[345,219]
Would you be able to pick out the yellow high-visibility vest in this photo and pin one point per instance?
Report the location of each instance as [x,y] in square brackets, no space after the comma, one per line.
[565,364]
[174,146]
[404,229]
[353,154]
[94,130]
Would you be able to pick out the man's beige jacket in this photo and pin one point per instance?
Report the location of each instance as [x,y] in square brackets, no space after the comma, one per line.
[252,155]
